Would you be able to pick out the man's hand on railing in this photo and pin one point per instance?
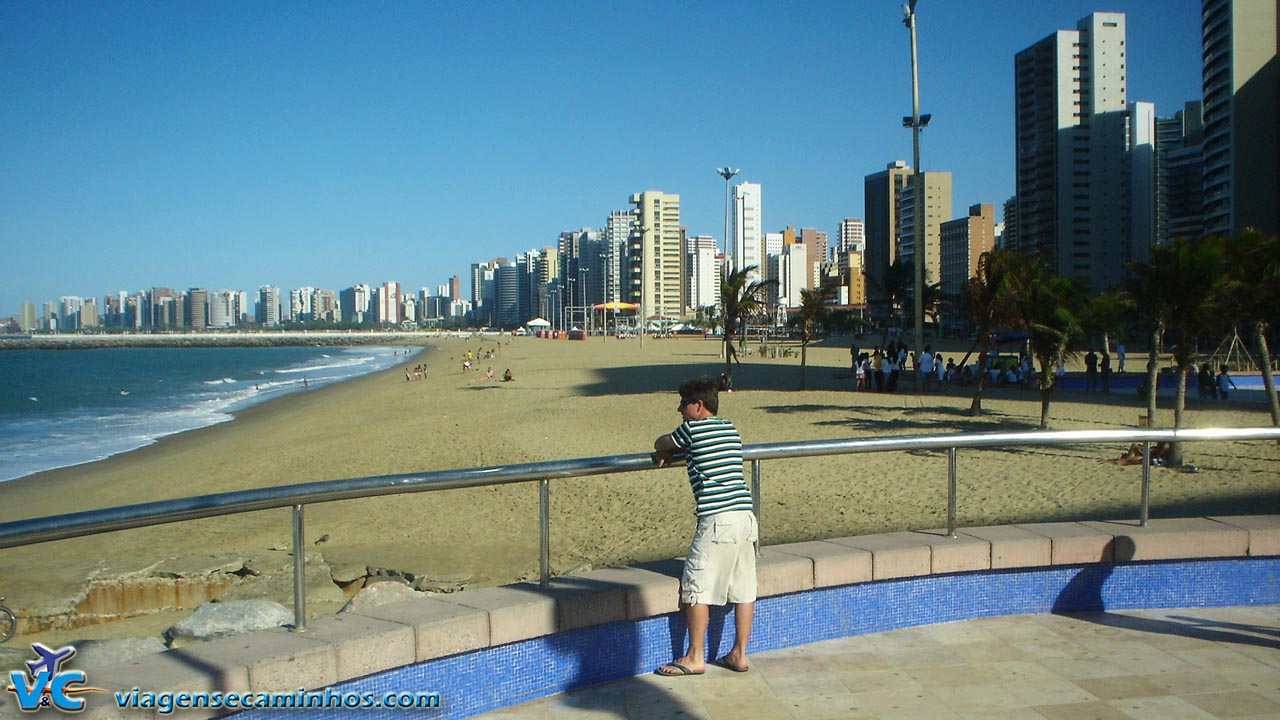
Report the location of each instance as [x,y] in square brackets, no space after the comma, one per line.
[662,458]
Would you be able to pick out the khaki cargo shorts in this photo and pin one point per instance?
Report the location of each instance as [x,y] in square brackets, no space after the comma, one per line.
[721,565]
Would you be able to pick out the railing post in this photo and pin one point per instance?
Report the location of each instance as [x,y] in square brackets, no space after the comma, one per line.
[1145,509]
[544,532]
[755,489]
[299,572]
[951,492]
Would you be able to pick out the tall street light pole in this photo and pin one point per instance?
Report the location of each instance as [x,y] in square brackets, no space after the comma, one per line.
[918,253]
[727,173]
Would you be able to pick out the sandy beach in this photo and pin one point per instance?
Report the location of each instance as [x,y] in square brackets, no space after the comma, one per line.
[582,399]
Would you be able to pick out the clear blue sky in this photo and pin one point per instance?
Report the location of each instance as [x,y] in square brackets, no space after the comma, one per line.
[238,144]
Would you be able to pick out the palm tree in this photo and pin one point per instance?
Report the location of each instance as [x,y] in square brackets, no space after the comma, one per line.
[895,289]
[740,298]
[813,303]
[1049,307]
[1186,290]
[985,299]
[1253,272]
[1105,313]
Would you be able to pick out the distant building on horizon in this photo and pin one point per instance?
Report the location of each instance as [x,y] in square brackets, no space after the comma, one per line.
[852,237]
[961,242]
[880,199]
[748,228]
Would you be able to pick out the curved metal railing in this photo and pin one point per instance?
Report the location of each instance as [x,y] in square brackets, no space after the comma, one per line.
[91,522]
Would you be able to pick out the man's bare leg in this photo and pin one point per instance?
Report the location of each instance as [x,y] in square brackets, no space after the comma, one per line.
[696,616]
[743,615]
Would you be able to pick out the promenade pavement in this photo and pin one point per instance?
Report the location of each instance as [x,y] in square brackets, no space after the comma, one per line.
[1119,665]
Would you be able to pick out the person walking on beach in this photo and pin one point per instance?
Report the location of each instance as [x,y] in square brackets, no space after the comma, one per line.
[1120,356]
[720,566]
[1106,372]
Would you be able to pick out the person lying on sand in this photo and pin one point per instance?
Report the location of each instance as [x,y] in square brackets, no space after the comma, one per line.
[1133,456]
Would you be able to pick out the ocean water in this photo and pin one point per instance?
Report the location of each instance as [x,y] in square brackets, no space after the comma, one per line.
[66,407]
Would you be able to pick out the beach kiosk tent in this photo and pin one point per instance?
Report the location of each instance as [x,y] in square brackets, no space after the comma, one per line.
[614,306]
[538,323]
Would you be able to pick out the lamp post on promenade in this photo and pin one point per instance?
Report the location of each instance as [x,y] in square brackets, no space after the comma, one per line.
[727,173]
[918,253]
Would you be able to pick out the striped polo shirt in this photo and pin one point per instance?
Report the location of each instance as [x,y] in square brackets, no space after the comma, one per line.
[713,457]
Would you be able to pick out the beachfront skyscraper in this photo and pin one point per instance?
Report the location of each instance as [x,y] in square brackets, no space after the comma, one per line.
[1180,178]
[961,242]
[1241,83]
[617,231]
[1071,147]
[195,311]
[748,228]
[703,273]
[880,199]
[656,257]
[268,306]
[388,303]
[27,317]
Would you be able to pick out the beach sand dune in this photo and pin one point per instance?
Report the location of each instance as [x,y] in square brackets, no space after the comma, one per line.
[594,398]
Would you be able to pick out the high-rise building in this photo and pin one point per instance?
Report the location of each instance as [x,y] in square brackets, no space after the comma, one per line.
[656,255]
[195,312]
[507,310]
[962,242]
[937,210]
[1180,174]
[748,227]
[1008,236]
[221,309]
[1144,185]
[851,238]
[27,317]
[325,305]
[793,271]
[354,303]
[617,231]
[703,272]
[816,241]
[388,303]
[268,306]
[880,196]
[1241,83]
[1072,165]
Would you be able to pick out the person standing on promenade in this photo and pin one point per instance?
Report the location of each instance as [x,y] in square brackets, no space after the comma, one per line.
[1106,372]
[720,566]
[1091,372]
[1120,356]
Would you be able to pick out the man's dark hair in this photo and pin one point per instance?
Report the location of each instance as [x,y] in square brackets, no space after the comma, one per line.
[704,389]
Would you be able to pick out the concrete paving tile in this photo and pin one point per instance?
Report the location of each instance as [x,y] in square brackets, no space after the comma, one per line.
[977,698]
[922,658]
[730,709]
[1183,683]
[1019,671]
[1233,704]
[667,710]
[1096,710]
[1265,655]
[1160,708]
[1216,657]
[1054,647]
[1125,686]
[1145,660]
[1073,669]
[859,661]
[919,704]
[1019,714]
[1055,691]
[896,680]
[953,675]
[988,651]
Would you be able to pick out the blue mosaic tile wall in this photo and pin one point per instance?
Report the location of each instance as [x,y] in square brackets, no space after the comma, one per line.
[483,680]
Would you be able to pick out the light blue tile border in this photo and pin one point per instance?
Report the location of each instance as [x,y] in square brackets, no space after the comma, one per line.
[487,679]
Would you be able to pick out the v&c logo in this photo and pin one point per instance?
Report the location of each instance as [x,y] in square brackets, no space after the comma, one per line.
[46,684]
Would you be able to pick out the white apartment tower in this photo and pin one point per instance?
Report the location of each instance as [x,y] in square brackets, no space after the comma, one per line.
[657,260]
[748,228]
[1241,83]
[1070,127]
[851,238]
[703,273]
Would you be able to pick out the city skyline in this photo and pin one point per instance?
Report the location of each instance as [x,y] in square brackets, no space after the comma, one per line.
[233,147]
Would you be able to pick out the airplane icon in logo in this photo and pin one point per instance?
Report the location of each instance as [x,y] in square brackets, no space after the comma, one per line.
[50,659]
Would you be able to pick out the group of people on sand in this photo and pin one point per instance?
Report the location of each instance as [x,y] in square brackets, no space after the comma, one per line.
[881,369]
[418,372]
[1212,387]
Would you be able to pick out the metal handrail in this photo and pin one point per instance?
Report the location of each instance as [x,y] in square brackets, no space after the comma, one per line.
[92,522]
